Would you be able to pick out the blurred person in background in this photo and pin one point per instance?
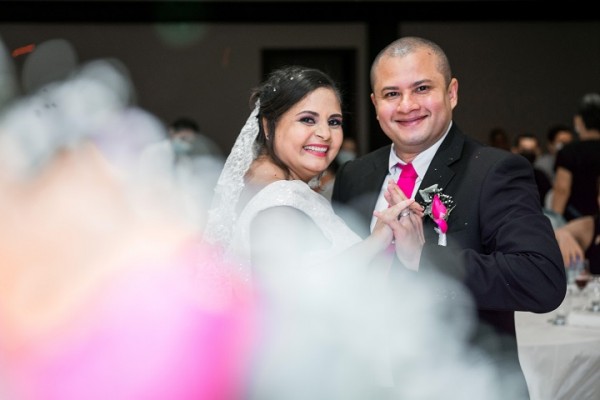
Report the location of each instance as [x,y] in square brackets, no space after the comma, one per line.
[577,164]
[187,140]
[528,145]
[348,151]
[183,168]
[499,138]
[557,137]
[579,239]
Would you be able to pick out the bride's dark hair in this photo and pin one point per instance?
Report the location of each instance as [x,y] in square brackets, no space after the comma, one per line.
[283,88]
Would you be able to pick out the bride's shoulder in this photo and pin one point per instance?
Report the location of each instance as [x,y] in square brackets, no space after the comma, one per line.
[282,191]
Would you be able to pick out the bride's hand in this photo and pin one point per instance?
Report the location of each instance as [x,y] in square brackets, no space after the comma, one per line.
[407,228]
[383,229]
[394,195]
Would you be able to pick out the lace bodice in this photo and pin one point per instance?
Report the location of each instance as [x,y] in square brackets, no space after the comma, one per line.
[299,195]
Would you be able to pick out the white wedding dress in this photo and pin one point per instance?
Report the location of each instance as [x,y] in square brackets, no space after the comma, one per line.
[298,195]
[312,298]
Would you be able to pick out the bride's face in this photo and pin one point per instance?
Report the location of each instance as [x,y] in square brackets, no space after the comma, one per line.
[309,135]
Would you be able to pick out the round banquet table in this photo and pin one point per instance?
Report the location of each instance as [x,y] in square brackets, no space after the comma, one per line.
[560,361]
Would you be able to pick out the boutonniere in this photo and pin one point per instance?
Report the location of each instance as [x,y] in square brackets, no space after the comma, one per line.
[437,206]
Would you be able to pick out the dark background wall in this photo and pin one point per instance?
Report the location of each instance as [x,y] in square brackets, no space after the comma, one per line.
[518,69]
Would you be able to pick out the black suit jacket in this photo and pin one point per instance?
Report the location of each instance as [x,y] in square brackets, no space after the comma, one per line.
[500,244]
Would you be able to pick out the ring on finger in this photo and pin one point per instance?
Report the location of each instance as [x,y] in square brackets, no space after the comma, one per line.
[405,213]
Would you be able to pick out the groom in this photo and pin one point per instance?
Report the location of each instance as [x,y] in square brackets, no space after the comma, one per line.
[497,243]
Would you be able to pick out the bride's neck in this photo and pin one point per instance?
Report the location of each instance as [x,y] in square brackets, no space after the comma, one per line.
[262,172]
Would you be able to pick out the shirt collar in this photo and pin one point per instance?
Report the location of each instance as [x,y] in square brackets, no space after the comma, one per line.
[422,160]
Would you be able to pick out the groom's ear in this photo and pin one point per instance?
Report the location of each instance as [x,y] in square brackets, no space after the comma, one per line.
[453,92]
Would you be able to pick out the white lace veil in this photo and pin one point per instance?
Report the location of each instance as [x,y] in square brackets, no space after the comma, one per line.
[222,214]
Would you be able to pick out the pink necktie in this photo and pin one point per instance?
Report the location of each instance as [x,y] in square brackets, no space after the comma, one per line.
[406,183]
[407,179]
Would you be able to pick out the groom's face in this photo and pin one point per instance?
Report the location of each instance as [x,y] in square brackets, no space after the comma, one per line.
[413,101]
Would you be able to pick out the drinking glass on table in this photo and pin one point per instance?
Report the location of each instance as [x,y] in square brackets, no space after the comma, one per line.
[580,276]
[594,294]
[561,314]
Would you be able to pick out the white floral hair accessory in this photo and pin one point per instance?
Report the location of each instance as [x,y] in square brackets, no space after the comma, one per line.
[438,206]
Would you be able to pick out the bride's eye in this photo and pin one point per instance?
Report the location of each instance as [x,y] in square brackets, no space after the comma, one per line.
[307,120]
[335,122]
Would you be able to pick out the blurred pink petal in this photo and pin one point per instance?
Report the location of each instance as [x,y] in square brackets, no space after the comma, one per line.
[144,335]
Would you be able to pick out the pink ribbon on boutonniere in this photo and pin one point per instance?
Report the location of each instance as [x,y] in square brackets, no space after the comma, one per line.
[438,206]
[438,213]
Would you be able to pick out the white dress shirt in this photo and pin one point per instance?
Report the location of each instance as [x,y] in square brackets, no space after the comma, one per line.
[420,163]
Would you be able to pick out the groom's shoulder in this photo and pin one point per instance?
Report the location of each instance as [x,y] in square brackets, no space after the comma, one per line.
[479,158]
[476,148]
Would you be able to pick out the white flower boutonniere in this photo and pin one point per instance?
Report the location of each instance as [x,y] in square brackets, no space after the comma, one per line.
[437,206]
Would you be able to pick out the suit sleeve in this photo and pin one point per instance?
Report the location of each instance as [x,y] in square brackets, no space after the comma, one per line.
[512,261]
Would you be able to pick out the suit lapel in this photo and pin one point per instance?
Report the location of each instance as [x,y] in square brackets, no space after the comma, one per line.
[375,174]
[439,170]
[379,170]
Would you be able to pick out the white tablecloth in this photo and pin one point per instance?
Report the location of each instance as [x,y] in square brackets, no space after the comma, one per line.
[559,362]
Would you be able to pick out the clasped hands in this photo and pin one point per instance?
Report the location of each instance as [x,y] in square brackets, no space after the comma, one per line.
[403,222]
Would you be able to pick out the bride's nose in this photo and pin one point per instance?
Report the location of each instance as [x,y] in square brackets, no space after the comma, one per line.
[322,131]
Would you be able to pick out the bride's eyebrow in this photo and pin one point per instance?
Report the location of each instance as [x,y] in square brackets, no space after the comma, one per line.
[316,114]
